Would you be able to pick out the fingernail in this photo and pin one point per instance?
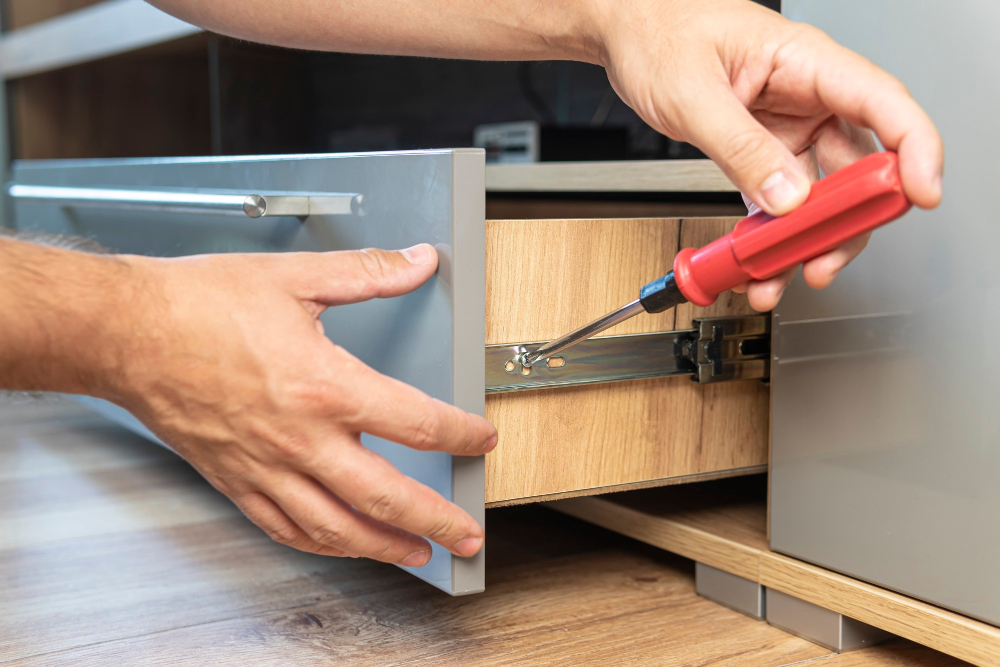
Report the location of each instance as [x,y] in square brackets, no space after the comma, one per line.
[491,443]
[470,546]
[422,253]
[937,185]
[416,559]
[779,193]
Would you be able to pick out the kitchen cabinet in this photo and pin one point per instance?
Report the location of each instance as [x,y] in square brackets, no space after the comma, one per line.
[501,282]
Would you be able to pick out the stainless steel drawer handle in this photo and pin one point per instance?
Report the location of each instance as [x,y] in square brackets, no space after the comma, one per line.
[215,202]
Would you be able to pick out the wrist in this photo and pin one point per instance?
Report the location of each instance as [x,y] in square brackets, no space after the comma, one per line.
[63,318]
[568,31]
[130,325]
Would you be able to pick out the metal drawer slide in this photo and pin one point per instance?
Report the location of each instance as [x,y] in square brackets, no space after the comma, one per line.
[715,350]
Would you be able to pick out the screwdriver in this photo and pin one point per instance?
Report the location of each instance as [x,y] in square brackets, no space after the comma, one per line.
[840,207]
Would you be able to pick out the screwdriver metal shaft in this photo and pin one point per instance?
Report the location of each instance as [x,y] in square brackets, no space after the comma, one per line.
[583,333]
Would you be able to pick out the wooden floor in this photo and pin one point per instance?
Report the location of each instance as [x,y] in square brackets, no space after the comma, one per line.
[112,550]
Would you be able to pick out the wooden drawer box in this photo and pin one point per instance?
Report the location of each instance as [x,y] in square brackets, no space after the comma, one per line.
[546,277]
[500,282]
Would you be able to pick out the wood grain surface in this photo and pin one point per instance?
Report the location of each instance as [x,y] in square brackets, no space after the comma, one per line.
[897,653]
[723,524]
[946,631]
[546,277]
[609,176]
[20,13]
[139,104]
[127,586]
[715,523]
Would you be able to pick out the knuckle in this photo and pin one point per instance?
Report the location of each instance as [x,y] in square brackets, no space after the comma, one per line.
[292,446]
[384,505]
[326,398]
[375,265]
[745,149]
[441,528]
[806,32]
[281,443]
[283,534]
[330,534]
[428,430]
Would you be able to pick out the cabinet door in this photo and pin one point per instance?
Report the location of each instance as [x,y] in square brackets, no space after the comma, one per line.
[886,441]
[432,338]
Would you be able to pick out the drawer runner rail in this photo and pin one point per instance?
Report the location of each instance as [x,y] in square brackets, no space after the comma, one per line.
[717,349]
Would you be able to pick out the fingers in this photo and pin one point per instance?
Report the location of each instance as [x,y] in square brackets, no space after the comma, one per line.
[393,410]
[754,159]
[861,93]
[764,295]
[819,273]
[374,487]
[279,527]
[328,521]
[337,278]
[839,144]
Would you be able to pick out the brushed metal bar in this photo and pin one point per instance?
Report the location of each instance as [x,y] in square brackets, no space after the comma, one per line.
[207,201]
[717,349]
[605,359]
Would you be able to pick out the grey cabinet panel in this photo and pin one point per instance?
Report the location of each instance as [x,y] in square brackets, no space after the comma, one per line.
[432,338]
[886,440]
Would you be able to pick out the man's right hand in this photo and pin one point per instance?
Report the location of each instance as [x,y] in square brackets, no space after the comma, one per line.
[771,101]
[224,358]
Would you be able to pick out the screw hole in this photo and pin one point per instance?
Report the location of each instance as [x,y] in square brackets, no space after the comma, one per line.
[556,362]
[509,366]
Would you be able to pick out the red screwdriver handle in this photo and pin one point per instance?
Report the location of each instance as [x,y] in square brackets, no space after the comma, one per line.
[845,204]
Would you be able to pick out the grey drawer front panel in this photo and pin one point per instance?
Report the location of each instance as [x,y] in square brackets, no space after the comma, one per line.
[885,431]
[432,338]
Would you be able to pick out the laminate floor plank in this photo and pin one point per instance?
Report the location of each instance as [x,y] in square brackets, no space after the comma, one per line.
[897,653]
[605,607]
[51,435]
[114,556]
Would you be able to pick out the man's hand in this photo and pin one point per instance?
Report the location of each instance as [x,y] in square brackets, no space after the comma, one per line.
[771,101]
[224,358]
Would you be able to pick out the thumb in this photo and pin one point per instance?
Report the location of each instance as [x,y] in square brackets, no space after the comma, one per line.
[755,160]
[351,276]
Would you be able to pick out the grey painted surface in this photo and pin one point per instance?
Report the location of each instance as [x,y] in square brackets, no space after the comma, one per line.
[743,595]
[432,338]
[885,460]
[820,625]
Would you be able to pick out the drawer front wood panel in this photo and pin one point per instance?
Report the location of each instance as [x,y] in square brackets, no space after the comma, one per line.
[545,277]
[431,339]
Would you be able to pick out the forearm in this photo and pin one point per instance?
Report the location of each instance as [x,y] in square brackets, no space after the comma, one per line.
[472,29]
[59,314]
